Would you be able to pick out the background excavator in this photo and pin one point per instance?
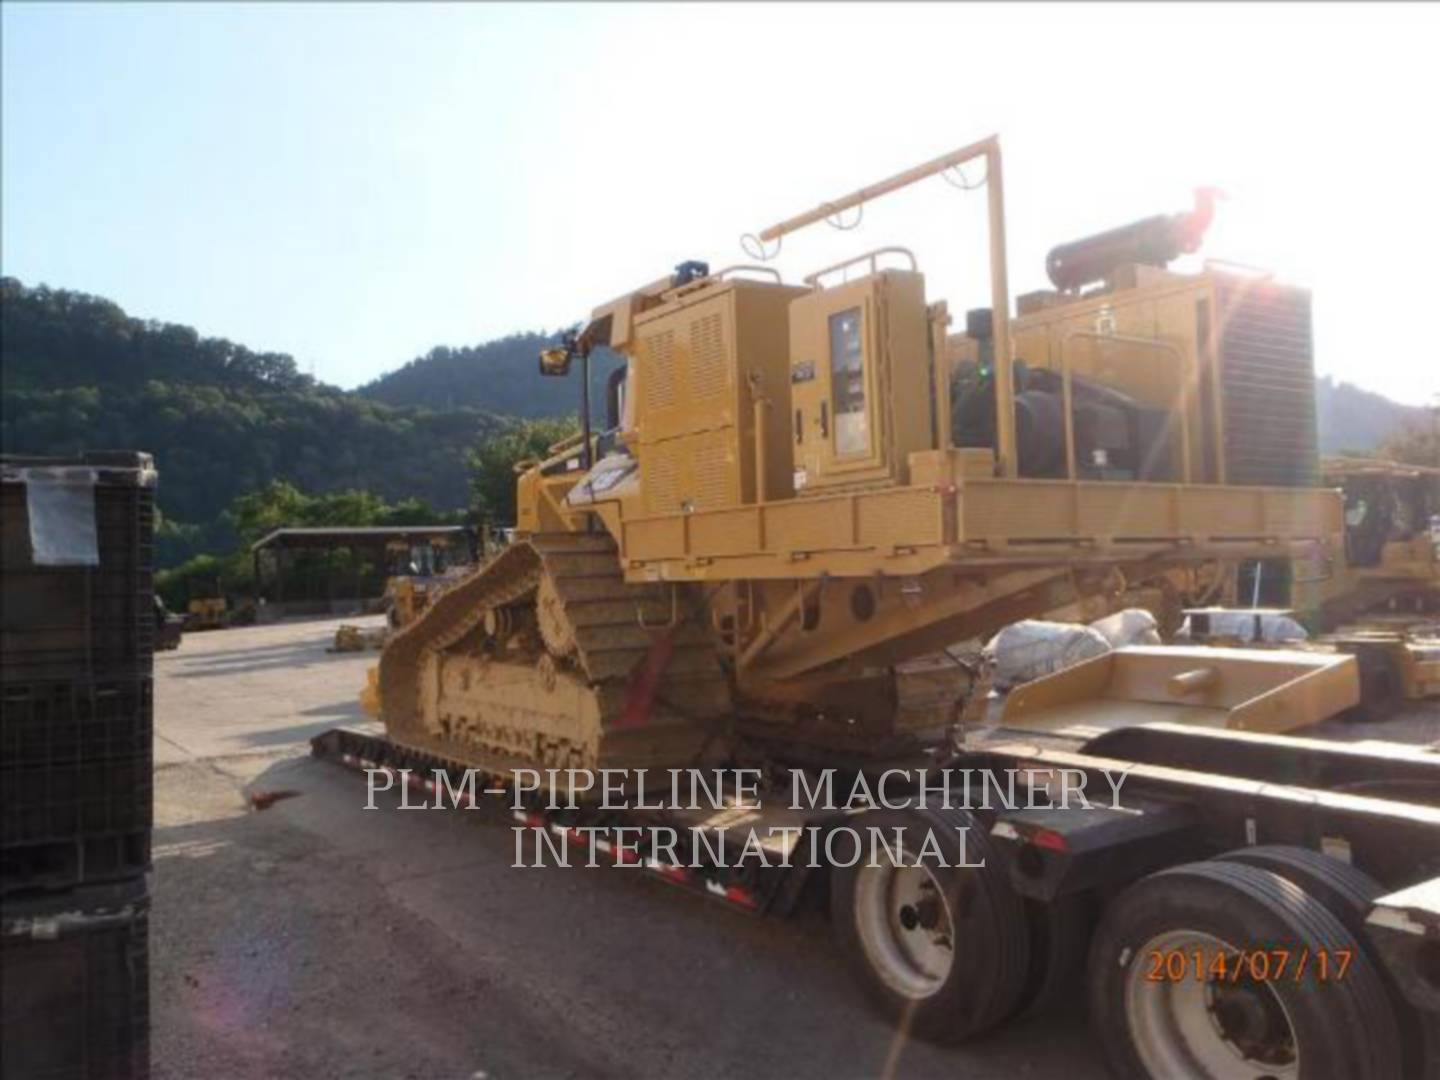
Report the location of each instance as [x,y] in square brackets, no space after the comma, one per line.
[805,491]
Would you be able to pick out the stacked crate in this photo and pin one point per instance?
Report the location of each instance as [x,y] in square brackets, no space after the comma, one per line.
[76,763]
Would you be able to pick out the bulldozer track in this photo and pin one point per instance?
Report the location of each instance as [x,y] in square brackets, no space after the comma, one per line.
[590,625]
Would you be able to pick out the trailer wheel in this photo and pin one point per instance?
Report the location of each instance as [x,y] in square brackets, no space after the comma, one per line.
[1344,890]
[1349,893]
[941,948]
[1059,940]
[1178,986]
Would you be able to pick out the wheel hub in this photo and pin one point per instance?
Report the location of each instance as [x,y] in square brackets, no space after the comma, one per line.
[1195,1025]
[925,915]
[905,927]
[1250,1018]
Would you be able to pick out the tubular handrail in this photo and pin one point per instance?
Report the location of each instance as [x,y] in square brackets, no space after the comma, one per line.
[884,187]
[1257,273]
[749,268]
[869,256]
[719,276]
[564,450]
[989,149]
[566,443]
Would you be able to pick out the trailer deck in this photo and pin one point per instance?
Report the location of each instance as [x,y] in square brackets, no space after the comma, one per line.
[1185,796]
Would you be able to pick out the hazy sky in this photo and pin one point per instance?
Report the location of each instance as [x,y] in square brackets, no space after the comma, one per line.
[354,185]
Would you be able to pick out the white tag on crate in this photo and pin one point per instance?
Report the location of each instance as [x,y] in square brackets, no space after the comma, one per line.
[61,507]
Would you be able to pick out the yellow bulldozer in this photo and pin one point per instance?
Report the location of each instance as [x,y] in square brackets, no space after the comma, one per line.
[417,573]
[1381,601]
[207,613]
[1391,556]
[806,490]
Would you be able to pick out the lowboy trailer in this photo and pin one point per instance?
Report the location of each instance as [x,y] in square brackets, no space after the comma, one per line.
[1235,903]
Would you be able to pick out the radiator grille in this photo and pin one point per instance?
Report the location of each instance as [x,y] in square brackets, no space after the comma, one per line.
[1267,376]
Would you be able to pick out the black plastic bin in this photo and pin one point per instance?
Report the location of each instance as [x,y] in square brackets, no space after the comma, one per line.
[76,696]
[75,721]
[75,985]
[78,621]
[76,783]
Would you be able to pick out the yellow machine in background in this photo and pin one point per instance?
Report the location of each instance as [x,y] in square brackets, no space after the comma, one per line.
[418,573]
[1381,602]
[404,599]
[207,614]
[804,489]
[1378,597]
[1391,559]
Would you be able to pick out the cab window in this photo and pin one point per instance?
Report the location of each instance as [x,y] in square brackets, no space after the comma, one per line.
[847,383]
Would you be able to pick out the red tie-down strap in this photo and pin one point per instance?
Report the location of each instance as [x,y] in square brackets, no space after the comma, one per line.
[645,681]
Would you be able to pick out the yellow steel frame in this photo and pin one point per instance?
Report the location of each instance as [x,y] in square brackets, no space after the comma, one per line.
[977,521]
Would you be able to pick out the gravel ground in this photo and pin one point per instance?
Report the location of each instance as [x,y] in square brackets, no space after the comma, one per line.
[315,937]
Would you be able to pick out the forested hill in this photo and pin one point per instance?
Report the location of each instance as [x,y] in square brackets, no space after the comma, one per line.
[221,420]
[1350,418]
[501,376]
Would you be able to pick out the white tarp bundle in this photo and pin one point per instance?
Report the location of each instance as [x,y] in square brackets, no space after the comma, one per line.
[1032,648]
[1241,625]
[1132,626]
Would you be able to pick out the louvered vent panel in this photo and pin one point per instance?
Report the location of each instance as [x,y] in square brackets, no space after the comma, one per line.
[661,480]
[658,376]
[713,471]
[707,357]
[1268,379]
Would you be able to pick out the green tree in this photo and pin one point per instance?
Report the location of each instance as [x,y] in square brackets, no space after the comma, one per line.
[79,373]
[1417,444]
[492,464]
[275,506]
[205,576]
[281,505]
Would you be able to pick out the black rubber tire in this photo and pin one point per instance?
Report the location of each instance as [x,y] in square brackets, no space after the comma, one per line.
[1344,1028]
[1382,686]
[1059,943]
[1346,891]
[992,937]
[1349,893]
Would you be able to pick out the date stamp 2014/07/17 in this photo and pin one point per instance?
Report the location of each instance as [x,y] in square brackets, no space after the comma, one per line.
[1255,965]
